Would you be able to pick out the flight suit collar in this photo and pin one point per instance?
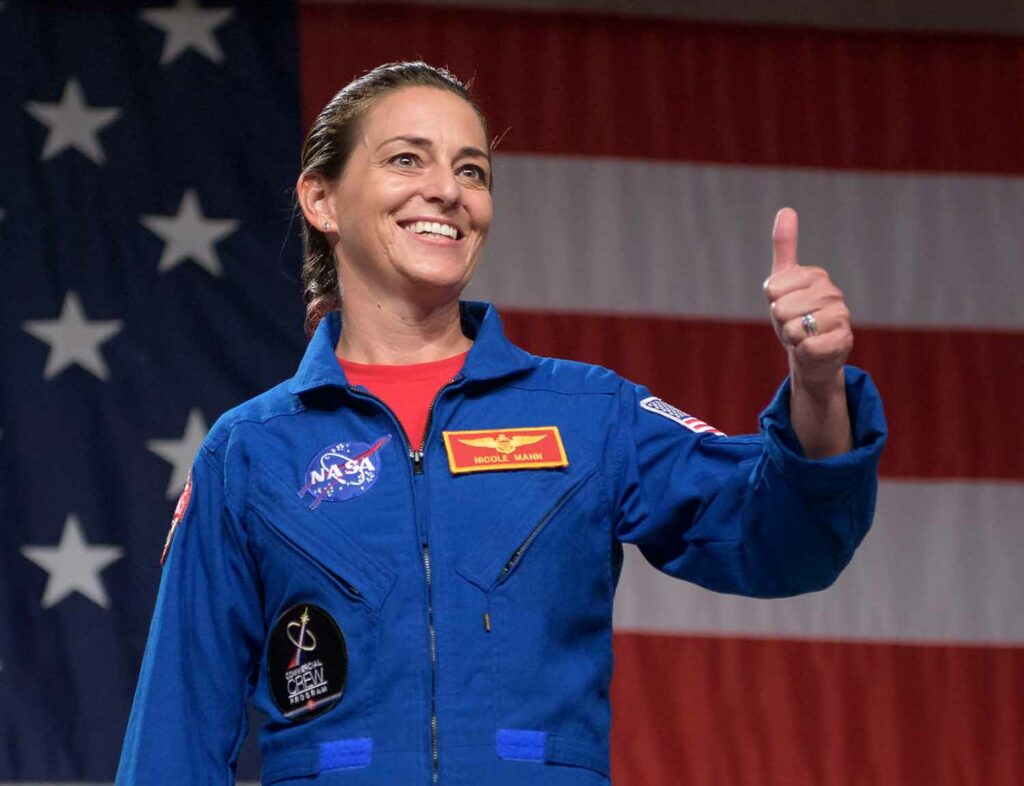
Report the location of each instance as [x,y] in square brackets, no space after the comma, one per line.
[492,355]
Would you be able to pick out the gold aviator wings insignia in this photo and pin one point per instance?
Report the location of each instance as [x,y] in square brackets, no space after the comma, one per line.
[502,443]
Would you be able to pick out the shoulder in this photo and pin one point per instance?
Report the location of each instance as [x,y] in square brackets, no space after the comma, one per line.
[250,416]
[571,377]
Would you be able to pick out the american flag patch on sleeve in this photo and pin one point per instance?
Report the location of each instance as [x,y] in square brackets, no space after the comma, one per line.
[659,407]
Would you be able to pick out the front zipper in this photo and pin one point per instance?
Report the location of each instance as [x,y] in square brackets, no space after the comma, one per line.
[417,468]
[416,457]
[434,758]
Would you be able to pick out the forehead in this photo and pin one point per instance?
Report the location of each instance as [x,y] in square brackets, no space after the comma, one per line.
[428,112]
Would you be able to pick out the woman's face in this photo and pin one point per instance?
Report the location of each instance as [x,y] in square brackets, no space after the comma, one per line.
[412,206]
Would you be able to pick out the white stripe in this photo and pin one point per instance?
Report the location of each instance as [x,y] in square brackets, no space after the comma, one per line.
[996,16]
[682,239]
[941,564]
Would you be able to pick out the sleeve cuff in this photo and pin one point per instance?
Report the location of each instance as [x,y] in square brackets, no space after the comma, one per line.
[836,476]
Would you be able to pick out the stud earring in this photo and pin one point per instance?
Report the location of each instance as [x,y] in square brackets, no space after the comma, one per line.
[327,224]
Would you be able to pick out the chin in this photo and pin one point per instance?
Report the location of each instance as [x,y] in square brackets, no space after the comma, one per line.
[439,278]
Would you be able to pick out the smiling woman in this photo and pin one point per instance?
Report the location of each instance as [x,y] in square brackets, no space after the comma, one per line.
[417,164]
[407,553]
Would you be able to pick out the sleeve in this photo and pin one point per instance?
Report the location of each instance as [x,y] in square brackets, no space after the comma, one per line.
[189,715]
[749,515]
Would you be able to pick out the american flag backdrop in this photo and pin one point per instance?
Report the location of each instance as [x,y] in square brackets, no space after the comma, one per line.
[150,282]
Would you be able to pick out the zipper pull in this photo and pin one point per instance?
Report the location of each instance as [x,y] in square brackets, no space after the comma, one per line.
[416,456]
[351,589]
[487,621]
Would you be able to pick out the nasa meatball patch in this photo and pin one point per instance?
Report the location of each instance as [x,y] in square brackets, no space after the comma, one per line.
[659,407]
[342,471]
[307,661]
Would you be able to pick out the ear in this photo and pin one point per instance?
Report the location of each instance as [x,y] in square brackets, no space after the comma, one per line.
[316,200]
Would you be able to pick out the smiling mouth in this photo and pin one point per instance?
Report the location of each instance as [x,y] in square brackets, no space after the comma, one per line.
[433,229]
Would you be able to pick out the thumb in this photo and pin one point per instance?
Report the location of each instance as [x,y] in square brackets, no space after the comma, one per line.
[784,237]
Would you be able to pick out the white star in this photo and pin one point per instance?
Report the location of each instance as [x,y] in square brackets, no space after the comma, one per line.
[179,453]
[73,338]
[73,565]
[73,123]
[188,27]
[190,235]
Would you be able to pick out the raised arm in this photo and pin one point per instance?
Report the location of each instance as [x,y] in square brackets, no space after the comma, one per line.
[813,324]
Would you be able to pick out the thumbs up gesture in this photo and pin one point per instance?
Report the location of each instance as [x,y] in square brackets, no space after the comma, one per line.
[810,316]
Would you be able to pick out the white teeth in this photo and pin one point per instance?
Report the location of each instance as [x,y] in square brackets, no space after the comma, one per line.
[434,228]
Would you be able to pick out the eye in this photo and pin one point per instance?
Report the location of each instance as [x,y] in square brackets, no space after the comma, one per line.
[473,172]
[404,160]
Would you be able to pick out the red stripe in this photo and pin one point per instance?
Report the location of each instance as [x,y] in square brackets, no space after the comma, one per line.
[566,83]
[951,397]
[725,712]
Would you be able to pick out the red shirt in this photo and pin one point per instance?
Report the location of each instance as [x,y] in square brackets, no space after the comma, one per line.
[407,390]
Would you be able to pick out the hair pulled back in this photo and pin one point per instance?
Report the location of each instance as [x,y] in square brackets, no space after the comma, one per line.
[327,148]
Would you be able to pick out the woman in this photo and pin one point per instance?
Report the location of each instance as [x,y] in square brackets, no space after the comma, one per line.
[407,552]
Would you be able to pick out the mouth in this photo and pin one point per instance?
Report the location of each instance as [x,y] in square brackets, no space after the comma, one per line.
[432,230]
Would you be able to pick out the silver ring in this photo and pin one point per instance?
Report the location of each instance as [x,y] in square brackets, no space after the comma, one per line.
[810,324]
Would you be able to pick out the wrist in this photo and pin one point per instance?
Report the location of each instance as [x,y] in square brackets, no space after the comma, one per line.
[819,416]
[820,390]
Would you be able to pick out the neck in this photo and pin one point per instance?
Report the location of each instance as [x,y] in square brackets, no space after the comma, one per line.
[397,332]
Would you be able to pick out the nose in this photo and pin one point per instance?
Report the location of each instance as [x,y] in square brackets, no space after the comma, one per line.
[441,187]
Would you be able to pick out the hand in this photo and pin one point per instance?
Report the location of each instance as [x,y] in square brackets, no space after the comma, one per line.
[815,361]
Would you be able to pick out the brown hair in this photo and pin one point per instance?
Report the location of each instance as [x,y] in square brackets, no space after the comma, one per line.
[327,148]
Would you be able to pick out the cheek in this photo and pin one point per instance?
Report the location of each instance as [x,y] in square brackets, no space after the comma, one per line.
[482,211]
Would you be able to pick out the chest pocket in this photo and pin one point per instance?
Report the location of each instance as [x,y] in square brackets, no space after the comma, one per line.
[320,538]
[306,556]
[517,525]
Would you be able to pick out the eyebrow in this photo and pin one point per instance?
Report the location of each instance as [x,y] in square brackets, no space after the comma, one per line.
[423,142]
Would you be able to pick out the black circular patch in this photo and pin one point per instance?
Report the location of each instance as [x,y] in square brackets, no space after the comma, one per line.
[308,662]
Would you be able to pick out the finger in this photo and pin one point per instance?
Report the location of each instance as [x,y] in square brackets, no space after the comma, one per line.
[831,349]
[804,299]
[784,238]
[831,318]
[782,285]
[794,331]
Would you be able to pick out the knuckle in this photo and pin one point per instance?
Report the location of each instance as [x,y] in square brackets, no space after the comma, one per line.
[793,331]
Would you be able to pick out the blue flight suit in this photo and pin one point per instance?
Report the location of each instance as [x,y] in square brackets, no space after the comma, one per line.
[475,608]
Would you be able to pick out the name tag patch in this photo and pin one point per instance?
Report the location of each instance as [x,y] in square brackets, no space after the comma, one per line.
[505,448]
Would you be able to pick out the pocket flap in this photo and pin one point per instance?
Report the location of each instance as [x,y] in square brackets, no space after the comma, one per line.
[311,760]
[544,747]
[296,763]
[576,753]
[540,497]
[320,537]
